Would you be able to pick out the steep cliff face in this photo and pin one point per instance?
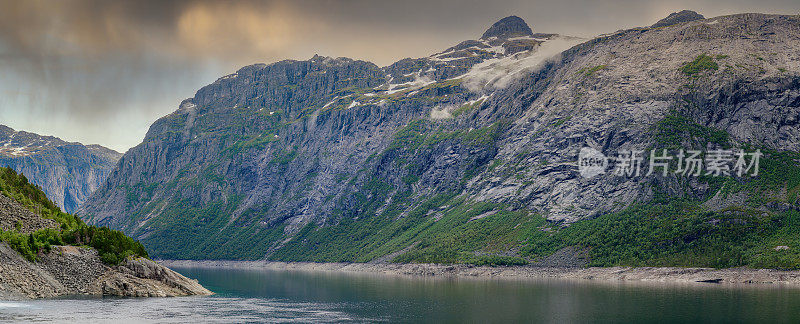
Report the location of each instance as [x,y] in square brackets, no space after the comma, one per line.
[461,156]
[723,82]
[67,172]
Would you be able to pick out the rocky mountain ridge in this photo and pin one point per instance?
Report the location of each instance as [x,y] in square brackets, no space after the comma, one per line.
[468,155]
[67,172]
[678,17]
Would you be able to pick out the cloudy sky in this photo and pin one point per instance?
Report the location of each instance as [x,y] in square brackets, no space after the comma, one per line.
[100,72]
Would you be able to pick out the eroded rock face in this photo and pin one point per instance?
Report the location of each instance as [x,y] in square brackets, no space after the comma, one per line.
[255,157]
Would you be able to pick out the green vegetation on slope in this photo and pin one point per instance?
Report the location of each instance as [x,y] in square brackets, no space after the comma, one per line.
[442,229]
[16,187]
[681,234]
[675,131]
[112,246]
[588,71]
[188,230]
[700,64]
[676,233]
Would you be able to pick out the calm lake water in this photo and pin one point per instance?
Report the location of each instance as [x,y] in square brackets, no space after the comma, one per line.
[295,296]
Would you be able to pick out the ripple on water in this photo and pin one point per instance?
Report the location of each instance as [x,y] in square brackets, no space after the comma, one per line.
[173,310]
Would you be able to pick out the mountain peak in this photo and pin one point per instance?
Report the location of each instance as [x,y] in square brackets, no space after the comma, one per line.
[511,26]
[678,17]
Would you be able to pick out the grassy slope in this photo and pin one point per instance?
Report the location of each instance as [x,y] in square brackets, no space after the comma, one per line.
[112,246]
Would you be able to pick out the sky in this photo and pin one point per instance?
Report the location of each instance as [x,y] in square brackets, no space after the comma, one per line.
[101,72]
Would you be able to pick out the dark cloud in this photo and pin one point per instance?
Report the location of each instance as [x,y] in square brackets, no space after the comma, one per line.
[101,71]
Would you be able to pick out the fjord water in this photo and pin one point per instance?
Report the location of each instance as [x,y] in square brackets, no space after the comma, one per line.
[297,296]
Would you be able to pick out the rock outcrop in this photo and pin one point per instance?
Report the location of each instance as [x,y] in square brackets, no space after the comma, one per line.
[70,270]
[508,27]
[145,278]
[67,172]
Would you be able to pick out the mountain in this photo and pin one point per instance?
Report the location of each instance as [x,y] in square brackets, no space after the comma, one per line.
[471,154]
[67,172]
[45,252]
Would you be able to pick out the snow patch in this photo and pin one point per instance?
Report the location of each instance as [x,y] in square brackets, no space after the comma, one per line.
[499,73]
[332,101]
[441,112]
[19,151]
[447,59]
[481,98]
[191,114]
[520,38]
[497,49]
[419,82]
[230,76]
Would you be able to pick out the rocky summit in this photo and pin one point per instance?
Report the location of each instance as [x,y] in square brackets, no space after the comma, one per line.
[508,27]
[67,172]
[678,17]
[471,154]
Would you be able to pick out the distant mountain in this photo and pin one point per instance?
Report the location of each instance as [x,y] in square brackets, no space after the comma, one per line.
[67,172]
[471,154]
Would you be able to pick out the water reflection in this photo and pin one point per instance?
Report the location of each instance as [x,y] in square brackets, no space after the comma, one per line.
[297,296]
[480,300]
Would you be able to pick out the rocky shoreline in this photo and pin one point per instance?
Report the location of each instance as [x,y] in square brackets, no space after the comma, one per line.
[733,276]
[70,270]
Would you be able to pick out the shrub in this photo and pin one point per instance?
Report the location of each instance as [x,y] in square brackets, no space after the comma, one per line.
[701,63]
[112,246]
